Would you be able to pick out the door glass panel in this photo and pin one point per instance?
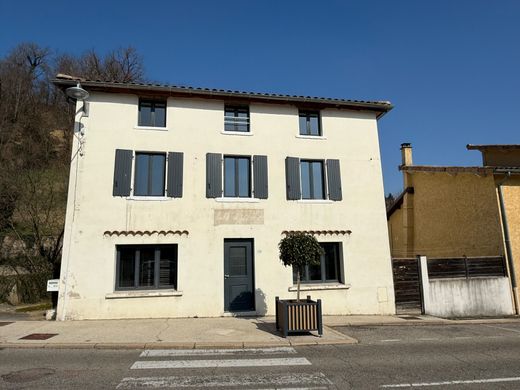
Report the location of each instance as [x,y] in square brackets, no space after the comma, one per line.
[146,267]
[237,261]
[141,174]
[305,179]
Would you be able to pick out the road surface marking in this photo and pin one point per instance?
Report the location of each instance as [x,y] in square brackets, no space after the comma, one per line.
[278,381]
[501,327]
[216,352]
[151,364]
[428,339]
[390,340]
[449,383]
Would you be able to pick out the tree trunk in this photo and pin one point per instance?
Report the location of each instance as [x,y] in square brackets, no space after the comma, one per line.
[298,285]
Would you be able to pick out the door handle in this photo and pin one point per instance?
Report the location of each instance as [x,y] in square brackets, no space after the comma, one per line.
[226,276]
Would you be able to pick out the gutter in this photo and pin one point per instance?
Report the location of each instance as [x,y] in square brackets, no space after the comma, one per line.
[507,243]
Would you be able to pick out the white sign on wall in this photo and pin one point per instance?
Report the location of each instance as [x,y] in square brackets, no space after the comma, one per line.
[53,284]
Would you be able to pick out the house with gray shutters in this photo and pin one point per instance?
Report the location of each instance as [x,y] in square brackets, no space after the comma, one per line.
[178,198]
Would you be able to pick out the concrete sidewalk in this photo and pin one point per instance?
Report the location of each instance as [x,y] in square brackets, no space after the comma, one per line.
[223,332]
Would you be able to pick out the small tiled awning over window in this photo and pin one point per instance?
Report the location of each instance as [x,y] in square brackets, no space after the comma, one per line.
[320,232]
[118,233]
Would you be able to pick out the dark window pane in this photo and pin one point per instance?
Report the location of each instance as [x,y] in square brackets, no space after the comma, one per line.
[317,180]
[146,267]
[145,114]
[315,272]
[158,162]
[243,177]
[305,180]
[331,261]
[314,125]
[303,125]
[126,277]
[236,119]
[229,177]
[168,267]
[141,174]
[160,115]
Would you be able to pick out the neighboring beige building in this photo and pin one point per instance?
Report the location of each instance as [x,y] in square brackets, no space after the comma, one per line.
[179,196]
[456,211]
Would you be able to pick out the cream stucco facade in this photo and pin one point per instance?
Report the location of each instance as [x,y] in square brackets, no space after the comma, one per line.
[97,221]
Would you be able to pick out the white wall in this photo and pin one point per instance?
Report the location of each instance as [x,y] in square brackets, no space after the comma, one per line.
[194,126]
[461,297]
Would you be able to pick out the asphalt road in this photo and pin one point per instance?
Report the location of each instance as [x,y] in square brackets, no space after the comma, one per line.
[451,357]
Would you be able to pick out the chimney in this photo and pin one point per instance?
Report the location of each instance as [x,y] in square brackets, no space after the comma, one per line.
[406,154]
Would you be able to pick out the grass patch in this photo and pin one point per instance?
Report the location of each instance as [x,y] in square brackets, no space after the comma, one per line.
[39,306]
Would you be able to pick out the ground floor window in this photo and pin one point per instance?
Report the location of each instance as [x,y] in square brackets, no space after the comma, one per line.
[329,269]
[146,267]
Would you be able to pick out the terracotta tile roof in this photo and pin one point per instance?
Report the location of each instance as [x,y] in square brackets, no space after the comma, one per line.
[448,169]
[65,81]
[144,232]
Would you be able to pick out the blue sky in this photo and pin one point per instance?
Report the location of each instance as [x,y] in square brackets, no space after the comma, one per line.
[451,68]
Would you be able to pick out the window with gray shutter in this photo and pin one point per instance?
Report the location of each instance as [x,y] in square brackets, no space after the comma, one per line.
[213,175]
[260,177]
[334,180]
[122,173]
[292,177]
[175,174]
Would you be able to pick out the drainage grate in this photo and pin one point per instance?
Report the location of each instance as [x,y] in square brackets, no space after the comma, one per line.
[38,336]
[5,323]
[409,318]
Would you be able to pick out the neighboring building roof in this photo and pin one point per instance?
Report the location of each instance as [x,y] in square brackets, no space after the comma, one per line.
[64,81]
[476,170]
[398,201]
[492,147]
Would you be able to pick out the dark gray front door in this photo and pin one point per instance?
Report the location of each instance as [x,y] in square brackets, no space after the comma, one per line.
[238,275]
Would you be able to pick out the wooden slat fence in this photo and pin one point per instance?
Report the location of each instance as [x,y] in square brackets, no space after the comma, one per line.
[466,267]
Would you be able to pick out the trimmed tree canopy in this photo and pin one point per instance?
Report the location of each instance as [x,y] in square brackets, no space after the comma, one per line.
[299,249]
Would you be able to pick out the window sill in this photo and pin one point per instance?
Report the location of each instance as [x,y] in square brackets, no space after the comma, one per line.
[143,294]
[316,201]
[318,137]
[237,200]
[318,286]
[149,198]
[150,128]
[243,133]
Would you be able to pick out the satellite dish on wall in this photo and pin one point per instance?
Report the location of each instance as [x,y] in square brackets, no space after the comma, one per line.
[77,92]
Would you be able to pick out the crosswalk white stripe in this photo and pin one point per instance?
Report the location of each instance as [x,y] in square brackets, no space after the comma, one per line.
[151,364]
[316,380]
[216,352]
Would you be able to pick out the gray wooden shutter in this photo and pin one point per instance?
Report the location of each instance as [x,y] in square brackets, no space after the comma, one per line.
[292,178]
[122,172]
[175,170]
[260,177]
[213,175]
[334,180]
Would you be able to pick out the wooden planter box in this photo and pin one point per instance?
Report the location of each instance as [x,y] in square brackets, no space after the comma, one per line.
[294,317]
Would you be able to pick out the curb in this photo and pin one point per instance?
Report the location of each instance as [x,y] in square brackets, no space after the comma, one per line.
[183,345]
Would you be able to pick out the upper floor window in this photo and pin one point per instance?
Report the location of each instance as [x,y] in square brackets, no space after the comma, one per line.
[152,113]
[310,123]
[156,174]
[236,118]
[149,174]
[236,176]
[313,179]
[329,268]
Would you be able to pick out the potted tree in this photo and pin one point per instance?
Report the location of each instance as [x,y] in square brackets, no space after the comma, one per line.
[299,250]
